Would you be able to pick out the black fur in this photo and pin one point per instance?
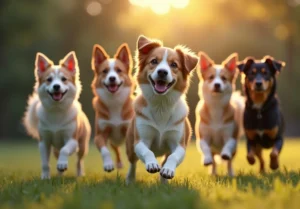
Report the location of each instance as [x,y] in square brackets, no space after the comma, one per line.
[269,116]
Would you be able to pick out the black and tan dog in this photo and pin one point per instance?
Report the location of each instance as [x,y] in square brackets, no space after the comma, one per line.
[263,120]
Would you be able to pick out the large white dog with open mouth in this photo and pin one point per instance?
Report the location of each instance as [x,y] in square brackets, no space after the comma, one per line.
[54,115]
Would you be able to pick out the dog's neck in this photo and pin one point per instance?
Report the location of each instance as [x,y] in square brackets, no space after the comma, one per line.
[165,102]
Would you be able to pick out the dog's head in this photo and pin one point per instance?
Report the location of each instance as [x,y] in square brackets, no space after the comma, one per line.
[163,68]
[218,79]
[57,84]
[112,74]
[260,74]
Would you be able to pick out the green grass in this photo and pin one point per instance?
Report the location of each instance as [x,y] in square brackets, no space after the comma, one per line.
[21,187]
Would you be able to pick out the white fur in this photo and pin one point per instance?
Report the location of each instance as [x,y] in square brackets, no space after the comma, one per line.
[159,134]
[52,122]
[112,73]
[107,161]
[217,136]
[163,65]
[114,103]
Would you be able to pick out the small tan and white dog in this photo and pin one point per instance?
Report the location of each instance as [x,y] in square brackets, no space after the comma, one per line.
[160,126]
[219,113]
[54,115]
[113,93]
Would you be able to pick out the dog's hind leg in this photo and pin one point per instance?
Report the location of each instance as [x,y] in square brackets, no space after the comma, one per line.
[258,152]
[118,156]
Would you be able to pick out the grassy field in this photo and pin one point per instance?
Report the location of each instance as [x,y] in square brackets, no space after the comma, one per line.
[21,187]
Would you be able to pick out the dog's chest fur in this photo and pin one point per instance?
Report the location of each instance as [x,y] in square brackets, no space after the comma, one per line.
[114,104]
[57,125]
[162,113]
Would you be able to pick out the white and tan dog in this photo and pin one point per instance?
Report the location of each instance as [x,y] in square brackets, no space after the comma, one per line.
[54,115]
[219,112]
[160,126]
[113,93]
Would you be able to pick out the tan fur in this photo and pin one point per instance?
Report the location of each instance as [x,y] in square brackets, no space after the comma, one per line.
[104,112]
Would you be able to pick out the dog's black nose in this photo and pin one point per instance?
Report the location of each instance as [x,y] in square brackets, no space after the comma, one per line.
[112,79]
[56,87]
[217,86]
[162,73]
[258,84]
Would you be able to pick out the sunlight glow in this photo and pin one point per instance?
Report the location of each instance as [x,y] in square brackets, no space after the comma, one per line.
[160,6]
[94,8]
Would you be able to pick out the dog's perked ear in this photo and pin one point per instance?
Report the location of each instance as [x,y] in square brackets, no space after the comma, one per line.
[123,54]
[189,59]
[231,62]
[42,63]
[245,65]
[70,62]
[205,61]
[274,65]
[98,57]
[145,45]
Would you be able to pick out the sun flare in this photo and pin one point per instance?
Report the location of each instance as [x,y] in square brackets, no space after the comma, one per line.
[160,7]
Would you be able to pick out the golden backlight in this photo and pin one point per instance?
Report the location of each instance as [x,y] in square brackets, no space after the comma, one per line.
[160,6]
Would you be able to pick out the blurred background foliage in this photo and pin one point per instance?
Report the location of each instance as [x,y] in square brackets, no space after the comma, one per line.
[218,27]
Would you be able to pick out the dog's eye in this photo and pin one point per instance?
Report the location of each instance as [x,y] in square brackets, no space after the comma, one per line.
[224,78]
[154,62]
[119,70]
[105,71]
[173,65]
[211,77]
[63,79]
[49,79]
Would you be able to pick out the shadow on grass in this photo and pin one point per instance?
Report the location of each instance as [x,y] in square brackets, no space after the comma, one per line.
[90,192]
[264,182]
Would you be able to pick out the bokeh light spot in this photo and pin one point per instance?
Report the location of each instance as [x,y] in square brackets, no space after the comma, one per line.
[180,4]
[93,8]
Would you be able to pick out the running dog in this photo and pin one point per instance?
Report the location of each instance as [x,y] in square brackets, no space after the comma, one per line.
[219,112]
[160,126]
[263,120]
[113,93]
[54,115]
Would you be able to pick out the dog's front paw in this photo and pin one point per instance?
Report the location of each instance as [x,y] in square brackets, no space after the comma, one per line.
[152,167]
[167,173]
[274,162]
[108,166]
[251,159]
[62,165]
[119,165]
[226,155]
[45,175]
[208,160]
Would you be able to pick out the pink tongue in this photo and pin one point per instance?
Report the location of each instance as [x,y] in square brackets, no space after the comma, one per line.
[160,86]
[113,88]
[57,96]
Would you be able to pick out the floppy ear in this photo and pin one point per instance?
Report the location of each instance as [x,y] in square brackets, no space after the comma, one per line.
[145,45]
[189,59]
[275,65]
[205,61]
[42,63]
[99,55]
[123,54]
[70,62]
[244,65]
[231,62]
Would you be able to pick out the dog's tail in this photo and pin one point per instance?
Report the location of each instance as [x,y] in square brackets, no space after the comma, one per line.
[238,101]
[30,119]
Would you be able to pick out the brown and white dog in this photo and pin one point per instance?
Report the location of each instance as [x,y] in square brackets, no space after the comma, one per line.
[219,112]
[54,115]
[113,93]
[160,126]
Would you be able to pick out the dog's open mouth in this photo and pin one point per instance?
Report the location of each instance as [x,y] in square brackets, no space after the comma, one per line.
[57,96]
[161,86]
[113,87]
